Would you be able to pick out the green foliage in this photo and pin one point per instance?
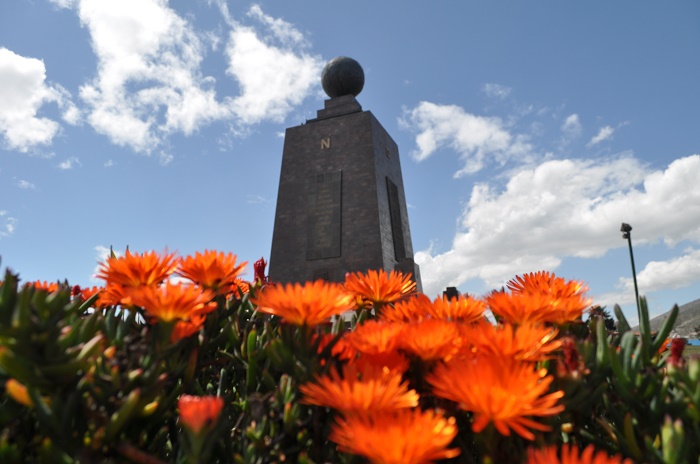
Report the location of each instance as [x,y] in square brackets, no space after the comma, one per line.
[633,400]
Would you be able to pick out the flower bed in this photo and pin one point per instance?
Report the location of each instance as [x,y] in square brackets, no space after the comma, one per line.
[179,360]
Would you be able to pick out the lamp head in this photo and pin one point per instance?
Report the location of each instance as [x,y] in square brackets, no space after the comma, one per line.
[625,229]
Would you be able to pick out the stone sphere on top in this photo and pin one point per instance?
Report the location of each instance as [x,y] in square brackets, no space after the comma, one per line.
[342,76]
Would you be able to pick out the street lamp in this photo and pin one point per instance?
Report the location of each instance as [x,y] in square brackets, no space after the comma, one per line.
[626,230]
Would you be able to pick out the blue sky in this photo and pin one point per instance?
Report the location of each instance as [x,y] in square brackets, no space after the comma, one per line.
[528,131]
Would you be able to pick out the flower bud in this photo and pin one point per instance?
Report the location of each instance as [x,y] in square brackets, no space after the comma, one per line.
[18,392]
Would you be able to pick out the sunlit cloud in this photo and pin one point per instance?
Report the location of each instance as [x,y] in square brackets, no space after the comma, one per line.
[7,224]
[474,138]
[605,133]
[568,208]
[23,93]
[149,82]
[69,163]
[496,91]
[571,129]
[272,68]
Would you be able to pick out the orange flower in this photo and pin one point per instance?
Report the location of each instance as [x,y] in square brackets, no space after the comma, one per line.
[46,286]
[664,346]
[379,287]
[342,349]
[572,455]
[498,390]
[523,308]
[430,339]
[416,308]
[199,412]
[308,304]
[463,309]
[524,343]
[407,436]
[374,337]
[372,390]
[392,361]
[174,302]
[239,287]
[212,270]
[567,299]
[546,283]
[114,294]
[184,329]
[134,270]
[88,292]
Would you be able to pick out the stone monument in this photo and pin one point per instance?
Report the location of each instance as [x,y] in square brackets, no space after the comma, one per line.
[340,204]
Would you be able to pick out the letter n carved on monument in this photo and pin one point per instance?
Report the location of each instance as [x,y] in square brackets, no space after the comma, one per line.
[325,143]
[323,215]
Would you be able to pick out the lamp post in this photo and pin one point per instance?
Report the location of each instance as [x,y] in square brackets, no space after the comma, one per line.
[626,230]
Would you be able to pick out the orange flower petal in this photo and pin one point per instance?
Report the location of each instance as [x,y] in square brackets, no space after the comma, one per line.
[430,339]
[212,270]
[373,390]
[309,304]
[174,302]
[498,390]
[380,287]
[572,455]
[136,270]
[407,436]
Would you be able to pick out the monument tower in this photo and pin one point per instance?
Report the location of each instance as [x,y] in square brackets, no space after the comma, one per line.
[340,204]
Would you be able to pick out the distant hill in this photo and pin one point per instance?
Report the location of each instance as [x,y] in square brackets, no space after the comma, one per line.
[688,319]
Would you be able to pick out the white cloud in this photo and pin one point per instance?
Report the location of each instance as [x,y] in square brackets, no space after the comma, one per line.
[64,3]
[255,199]
[496,91]
[109,163]
[7,224]
[69,112]
[565,208]
[69,163]
[571,127]
[25,184]
[165,158]
[22,94]
[273,72]
[473,137]
[675,273]
[282,30]
[148,83]
[223,9]
[604,133]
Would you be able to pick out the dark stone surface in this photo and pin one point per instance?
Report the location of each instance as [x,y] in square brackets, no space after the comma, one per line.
[396,223]
[323,209]
[342,76]
[338,106]
[346,153]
